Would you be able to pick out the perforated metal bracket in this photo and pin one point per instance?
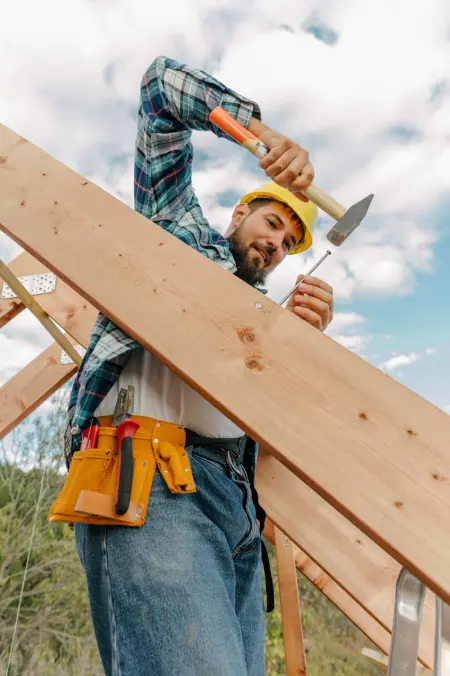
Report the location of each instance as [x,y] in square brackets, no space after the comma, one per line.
[65,359]
[34,284]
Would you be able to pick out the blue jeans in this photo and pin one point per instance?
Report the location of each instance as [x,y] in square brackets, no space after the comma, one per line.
[183,594]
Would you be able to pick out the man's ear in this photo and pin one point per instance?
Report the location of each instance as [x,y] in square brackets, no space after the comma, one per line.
[239,213]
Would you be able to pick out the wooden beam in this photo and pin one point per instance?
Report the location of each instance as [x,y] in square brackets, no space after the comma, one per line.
[66,307]
[29,388]
[291,616]
[33,306]
[350,558]
[369,626]
[16,407]
[21,266]
[383,661]
[356,563]
[369,446]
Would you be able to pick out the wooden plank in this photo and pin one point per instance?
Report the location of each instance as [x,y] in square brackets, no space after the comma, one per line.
[358,565]
[352,559]
[21,266]
[366,444]
[369,626]
[64,305]
[383,661]
[365,570]
[291,616]
[27,298]
[29,388]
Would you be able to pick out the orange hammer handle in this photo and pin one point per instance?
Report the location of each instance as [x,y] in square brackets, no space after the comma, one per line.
[233,128]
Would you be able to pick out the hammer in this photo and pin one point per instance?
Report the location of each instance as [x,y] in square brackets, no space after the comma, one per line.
[347,220]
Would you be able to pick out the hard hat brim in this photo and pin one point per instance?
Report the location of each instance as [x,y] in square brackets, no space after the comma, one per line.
[292,202]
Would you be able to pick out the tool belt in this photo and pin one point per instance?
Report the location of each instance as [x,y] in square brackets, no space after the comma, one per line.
[88,494]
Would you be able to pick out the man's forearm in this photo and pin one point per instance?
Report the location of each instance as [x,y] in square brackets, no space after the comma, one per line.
[189,95]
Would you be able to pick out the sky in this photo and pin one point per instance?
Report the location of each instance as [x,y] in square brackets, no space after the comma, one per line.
[363,86]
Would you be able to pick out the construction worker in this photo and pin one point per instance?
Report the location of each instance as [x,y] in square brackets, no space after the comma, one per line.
[183,594]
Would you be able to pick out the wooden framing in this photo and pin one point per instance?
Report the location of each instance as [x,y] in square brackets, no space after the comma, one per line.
[44,386]
[360,567]
[29,388]
[291,616]
[64,306]
[344,602]
[368,446]
[357,564]
[382,661]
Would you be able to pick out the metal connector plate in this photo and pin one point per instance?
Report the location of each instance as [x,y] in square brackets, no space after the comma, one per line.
[34,284]
[65,359]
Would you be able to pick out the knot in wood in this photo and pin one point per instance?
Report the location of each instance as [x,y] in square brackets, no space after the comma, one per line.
[254,364]
[246,335]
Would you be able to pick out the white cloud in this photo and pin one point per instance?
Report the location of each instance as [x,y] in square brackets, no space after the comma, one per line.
[353,105]
[431,350]
[8,249]
[21,340]
[219,178]
[354,343]
[399,360]
[345,320]
[342,324]
[80,71]
[346,108]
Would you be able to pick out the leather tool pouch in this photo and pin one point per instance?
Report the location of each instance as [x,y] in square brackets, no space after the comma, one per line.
[88,495]
[174,465]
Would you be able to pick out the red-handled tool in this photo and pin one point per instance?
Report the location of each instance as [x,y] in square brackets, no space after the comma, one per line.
[89,434]
[126,430]
[125,434]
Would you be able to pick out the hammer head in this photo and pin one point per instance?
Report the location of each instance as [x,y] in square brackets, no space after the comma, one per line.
[349,221]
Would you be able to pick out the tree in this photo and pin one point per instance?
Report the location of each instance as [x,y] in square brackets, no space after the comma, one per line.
[54,632]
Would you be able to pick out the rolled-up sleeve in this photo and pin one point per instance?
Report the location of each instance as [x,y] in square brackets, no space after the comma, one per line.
[175,100]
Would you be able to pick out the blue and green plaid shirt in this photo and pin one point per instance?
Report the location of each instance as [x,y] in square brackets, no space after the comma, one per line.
[174,100]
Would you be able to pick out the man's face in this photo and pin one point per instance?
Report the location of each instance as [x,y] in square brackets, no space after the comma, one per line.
[259,240]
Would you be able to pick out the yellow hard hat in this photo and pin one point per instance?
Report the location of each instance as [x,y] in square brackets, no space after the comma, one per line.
[307,212]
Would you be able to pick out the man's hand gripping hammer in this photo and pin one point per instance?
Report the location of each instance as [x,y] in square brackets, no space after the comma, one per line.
[347,220]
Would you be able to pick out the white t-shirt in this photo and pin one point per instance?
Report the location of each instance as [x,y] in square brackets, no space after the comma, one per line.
[159,393]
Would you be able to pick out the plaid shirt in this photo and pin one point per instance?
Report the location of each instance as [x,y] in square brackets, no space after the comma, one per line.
[174,100]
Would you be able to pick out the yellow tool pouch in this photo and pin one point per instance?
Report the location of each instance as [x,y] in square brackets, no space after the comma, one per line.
[174,465]
[88,494]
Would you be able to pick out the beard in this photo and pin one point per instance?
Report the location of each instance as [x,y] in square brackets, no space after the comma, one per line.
[247,269]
